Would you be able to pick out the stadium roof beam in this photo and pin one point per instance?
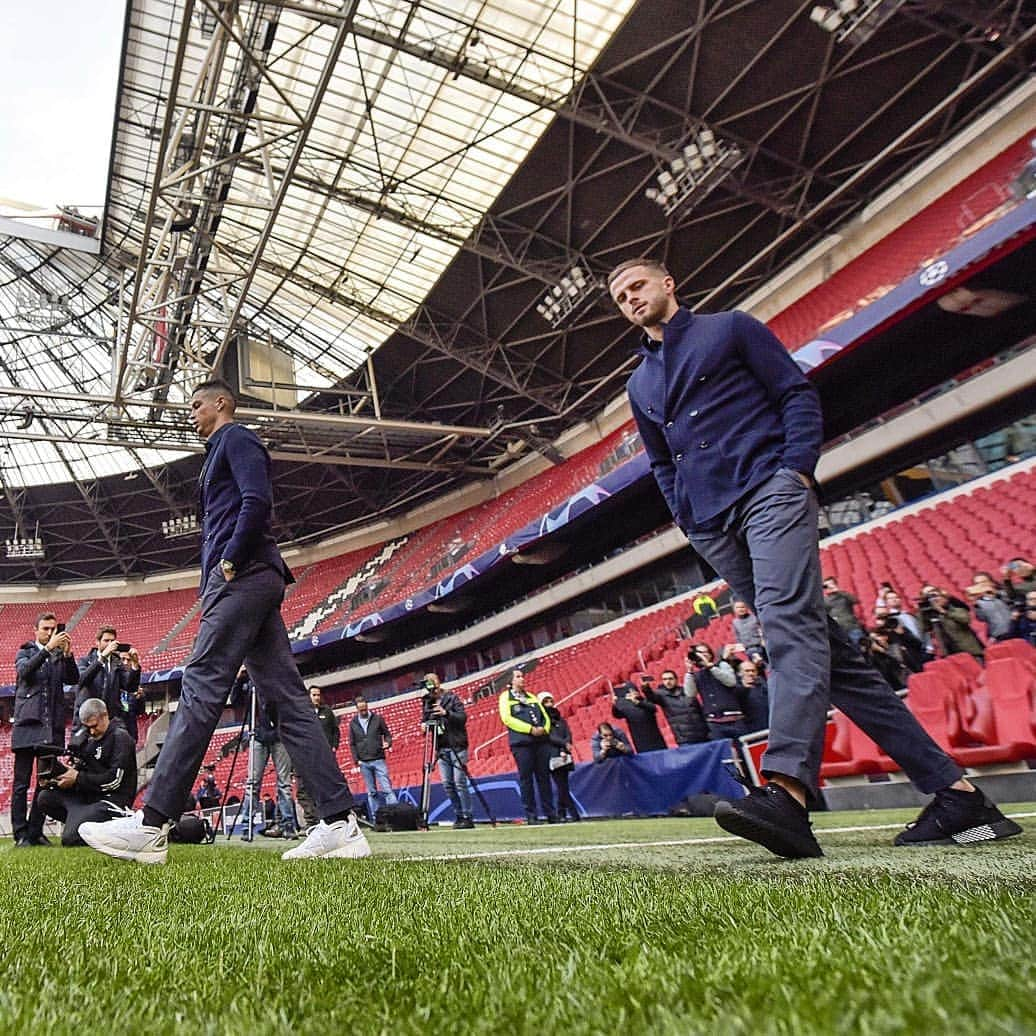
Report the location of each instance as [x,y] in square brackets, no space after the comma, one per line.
[591,99]
[935,112]
[498,239]
[107,523]
[443,335]
[189,196]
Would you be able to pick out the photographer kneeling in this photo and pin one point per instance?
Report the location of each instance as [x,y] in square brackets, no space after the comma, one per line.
[100,783]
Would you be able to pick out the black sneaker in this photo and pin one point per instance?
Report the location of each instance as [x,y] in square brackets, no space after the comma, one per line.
[771,817]
[961,817]
[463,823]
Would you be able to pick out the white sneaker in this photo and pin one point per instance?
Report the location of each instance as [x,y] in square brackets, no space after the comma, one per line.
[127,838]
[342,839]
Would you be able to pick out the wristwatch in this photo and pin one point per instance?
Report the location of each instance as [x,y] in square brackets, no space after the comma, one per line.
[227,566]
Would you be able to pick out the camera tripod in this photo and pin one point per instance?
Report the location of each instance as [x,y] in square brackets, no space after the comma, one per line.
[432,730]
[251,789]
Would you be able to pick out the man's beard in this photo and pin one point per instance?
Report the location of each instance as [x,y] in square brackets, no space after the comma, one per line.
[650,315]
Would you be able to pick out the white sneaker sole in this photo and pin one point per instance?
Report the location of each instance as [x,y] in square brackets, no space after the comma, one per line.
[344,852]
[134,856]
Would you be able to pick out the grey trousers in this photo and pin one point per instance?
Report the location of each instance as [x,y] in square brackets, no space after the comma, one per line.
[768,553]
[241,622]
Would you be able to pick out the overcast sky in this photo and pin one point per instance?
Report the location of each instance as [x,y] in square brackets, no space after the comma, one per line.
[59,64]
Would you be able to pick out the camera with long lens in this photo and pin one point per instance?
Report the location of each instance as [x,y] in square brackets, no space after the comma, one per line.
[49,765]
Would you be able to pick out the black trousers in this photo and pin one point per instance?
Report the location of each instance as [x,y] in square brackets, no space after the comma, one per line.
[241,622]
[72,811]
[23,823]
[306,802]
[565,803]
[533,762]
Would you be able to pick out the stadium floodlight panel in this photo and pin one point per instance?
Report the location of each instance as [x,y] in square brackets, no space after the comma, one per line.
[24,548]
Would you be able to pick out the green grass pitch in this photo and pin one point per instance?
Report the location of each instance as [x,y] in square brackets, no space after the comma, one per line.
[608,927]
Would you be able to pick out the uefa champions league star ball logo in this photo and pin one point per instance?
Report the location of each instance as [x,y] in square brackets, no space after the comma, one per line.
[933,273]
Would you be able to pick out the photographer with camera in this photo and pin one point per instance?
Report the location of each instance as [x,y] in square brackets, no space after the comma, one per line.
[444,712]
[948,620]
[103,674]
[100,781]
[44,665]
[607,742]
[992,605]
[638,711]
[715,683]
[893,604]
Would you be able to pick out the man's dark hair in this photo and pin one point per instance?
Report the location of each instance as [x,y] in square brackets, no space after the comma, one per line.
[359,697]
[44,616]
[219,387]
[107,629]
[628,264]
[671,671]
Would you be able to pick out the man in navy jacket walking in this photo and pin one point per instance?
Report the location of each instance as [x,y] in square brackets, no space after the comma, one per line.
[242,585]
[733,432]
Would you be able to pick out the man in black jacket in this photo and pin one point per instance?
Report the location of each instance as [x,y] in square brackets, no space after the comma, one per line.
[639,714]
[44,665]
[369,739]
[446,712]
[329,725]
[102,781]
[681,709]
[104,675]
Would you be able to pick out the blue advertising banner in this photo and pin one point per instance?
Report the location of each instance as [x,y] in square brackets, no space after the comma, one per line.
[638,785]
[926,282]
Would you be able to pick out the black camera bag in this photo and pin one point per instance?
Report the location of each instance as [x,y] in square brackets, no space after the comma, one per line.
[400,816]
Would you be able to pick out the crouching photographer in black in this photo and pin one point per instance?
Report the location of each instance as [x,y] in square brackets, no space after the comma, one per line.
[443,712]
[100,781]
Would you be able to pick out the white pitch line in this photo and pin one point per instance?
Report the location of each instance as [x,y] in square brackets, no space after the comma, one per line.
[550,850]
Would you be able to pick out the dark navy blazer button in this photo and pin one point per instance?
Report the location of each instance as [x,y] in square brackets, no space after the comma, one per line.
[669,424]
[704,444]
[678,456]
[694,413]
[702,378]
[651,409]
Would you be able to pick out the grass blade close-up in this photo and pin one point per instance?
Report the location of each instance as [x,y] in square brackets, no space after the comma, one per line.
[660,926]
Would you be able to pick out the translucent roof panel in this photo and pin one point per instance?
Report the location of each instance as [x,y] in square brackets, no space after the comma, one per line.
[428,111]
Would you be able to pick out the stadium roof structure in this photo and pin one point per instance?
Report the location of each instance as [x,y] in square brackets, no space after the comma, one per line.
[392,220]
